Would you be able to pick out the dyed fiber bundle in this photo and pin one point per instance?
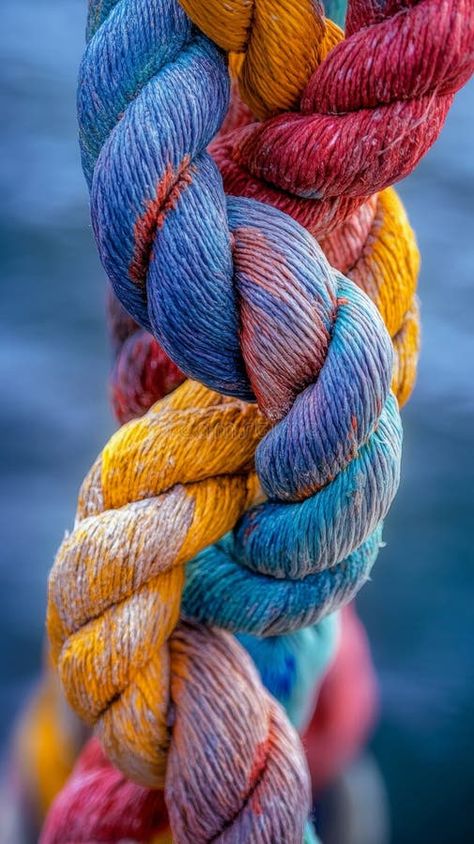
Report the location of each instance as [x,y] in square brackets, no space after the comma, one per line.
[291,666]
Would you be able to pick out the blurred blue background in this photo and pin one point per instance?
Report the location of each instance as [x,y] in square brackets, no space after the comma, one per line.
[55,417]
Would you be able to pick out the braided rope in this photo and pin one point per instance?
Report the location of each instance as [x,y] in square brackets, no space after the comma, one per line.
[80,624]
[148,522]
[375,248]
[341,343]
[333,737]
[388,257]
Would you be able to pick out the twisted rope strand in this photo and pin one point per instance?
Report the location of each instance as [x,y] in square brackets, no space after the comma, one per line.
[280,42]
[375,248]
[363,123]
[388,256]
[225,284]
[328,315]
[258,314]
[113,604]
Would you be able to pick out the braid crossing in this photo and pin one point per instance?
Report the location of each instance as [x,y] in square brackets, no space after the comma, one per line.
[260,512]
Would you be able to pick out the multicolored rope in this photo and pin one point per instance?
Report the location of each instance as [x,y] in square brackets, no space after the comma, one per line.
[333,737]
[242,299]
[375,248]
[49,737]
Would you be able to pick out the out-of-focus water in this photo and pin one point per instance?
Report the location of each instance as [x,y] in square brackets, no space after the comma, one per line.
[54,365]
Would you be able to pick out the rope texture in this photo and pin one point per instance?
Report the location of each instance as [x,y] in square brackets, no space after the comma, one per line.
[332,738]
[375,248]
[367,116]
[258,314]
[280,42]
